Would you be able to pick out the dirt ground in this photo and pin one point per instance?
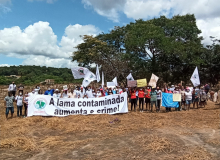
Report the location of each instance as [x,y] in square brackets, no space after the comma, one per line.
[193,135]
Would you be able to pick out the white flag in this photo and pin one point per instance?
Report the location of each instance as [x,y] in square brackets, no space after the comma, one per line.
[89,77]
[195,78]
[79,72]
[97,74]
[103,82]
[153,81]
[115,81]
[85,83]
[130,77]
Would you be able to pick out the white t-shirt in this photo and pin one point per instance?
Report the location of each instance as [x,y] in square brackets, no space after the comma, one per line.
[188,95]
[36,90]
[64,95]
[98,94]
[19,100]
[56,95]
[89,93]
[159,94]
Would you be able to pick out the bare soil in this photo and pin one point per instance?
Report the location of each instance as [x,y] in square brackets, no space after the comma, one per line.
[190,135]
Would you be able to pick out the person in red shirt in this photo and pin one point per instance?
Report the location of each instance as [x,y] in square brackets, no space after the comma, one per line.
[147,97]
[133,99]
[141,99]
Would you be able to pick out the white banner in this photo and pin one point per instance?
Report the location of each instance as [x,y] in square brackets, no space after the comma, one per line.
[79,72]
[44,105]
[195,78]
[153,81]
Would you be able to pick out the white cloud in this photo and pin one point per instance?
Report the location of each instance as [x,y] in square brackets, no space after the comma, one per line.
[4,65]
[48,1]
[106,8]
[206,11]
[38,44]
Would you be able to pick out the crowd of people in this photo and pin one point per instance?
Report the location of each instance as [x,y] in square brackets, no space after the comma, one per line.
[146,97]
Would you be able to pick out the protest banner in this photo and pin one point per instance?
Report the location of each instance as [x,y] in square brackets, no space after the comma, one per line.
[167,100]
[141,82]
[65,87]
[44,105]
[153,81]
[176,97]
[132,83]
[110,84]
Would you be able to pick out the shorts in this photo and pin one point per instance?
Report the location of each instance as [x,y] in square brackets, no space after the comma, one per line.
[153,102]
[188,101]
[147,100]
[196,100]
[9,109]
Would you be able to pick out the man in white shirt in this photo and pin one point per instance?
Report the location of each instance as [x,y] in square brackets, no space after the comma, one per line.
[19,101]
[12,88]
[158,98]
[56,94]
[64,94]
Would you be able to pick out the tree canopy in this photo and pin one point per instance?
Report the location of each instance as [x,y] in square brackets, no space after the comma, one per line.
[31,75]
[170,48]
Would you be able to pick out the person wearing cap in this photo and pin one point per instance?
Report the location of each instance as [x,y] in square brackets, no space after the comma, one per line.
[141,99]
[49,92]
[12,88]
[102,93]
[188,98]
[147,96]
[56,94]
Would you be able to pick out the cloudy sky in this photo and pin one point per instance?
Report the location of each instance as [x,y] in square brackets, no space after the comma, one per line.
[45,32]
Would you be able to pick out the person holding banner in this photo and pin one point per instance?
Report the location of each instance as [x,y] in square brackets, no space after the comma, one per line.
[56,94]
[64,94]
[49,92]
[177,91]
[147,97]
[188,98]
[141,99]
[133,99]
[25,100]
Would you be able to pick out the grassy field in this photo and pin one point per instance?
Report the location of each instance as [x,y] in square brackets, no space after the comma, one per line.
[193,135]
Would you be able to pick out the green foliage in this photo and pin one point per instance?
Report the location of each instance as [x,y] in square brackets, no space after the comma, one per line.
[31,75]
[170,48]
